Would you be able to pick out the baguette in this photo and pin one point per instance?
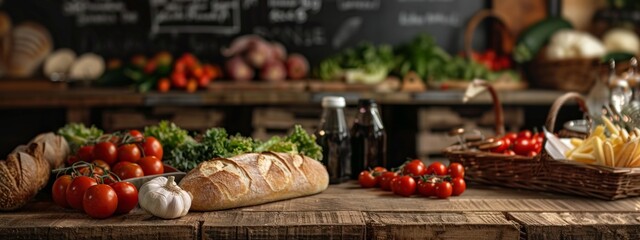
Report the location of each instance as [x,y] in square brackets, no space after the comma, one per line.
[253,178]
[22,175]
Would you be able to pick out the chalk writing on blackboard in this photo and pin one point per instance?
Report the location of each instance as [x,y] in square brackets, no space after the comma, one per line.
[99,12]
[414,19]
[281,11]
[196,16]
[363,5]
[348,28]
[294,35]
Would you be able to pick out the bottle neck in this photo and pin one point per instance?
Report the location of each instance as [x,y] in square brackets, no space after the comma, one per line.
[333,120]
[369,116]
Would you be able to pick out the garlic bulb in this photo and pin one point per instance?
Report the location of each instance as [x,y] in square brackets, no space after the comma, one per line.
[163,198]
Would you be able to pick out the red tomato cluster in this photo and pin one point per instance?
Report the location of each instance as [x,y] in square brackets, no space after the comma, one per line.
[98,200]
[188,73]
[492,61]
[523,143]
[414,177]
[128,157]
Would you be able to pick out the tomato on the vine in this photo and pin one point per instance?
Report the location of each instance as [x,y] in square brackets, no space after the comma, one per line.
[404,186]
[504,144]
[459,186]
[85,153]
[509,152]
[101,164]
[443,189]
[127,196]
[152,147]
[100,201]
[456,170]
[366,179]
[76,189]
[136,134]
[437,168]
[106,151]
[427,188]
[126,170]
[377,173]
[385,180]
[128,153]
[59,190]
[414,168]
[151,165]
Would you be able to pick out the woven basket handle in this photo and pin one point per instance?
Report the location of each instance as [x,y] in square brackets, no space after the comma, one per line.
[476,19]
[555,108]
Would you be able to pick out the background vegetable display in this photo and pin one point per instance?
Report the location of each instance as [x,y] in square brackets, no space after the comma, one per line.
[365,63]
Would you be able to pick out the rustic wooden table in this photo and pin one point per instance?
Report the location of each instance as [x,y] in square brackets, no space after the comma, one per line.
[346,211]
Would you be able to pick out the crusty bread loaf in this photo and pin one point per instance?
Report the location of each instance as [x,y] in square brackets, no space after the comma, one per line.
[31,44]
[56,148]
[253,178]
[22,175]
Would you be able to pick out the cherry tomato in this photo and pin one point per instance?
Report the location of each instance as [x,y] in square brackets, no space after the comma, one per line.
[100,201]
[427,188]
[405,186]
[505,143]
[85,153]
[106,151]
[393,183]
[127,196]
[126,170]
[531,154]
[178,80]
[136,134]
[192,85]
[511,136]
[128,153]
[109,179]
[456,170]
[525,134]
[76,189]
[537,147]
[86,171]
[522,146]
[539,136]
[59,190]
[152,147]
[72,159]
[385,180]
[377,173]
[437,168]
[101,164]
[366,179]
[414,168]
[151,165]
[443,189]
[458,186]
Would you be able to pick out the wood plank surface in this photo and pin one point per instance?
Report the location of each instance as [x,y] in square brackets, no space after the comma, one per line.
[52,222]
[567,225]
[476,226]
[346,211]
[283,225]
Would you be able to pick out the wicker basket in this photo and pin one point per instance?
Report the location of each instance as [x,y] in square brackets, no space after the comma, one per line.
[576,75]
[565,176]
[494,168]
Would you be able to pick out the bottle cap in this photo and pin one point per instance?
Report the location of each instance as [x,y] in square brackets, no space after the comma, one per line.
[333,101]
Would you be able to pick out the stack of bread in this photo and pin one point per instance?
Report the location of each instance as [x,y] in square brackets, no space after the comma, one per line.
[23,47]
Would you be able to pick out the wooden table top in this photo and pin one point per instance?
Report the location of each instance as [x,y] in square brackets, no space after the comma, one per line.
[347,211]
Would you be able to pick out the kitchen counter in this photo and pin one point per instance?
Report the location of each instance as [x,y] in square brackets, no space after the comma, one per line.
[347,211]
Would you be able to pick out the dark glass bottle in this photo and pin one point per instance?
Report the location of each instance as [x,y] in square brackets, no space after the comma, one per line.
[333,136]
[368,139]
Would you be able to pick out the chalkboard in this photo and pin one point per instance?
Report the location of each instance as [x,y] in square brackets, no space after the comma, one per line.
[315,28]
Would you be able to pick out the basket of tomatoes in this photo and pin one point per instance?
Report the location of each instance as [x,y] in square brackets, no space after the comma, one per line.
[510,159]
